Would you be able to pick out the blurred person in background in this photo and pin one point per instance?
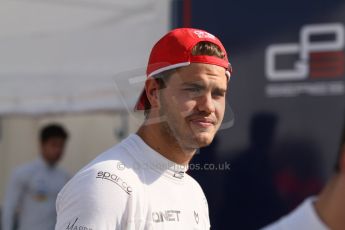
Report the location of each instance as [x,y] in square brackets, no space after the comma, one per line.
[32,189]
[325,211]
[141,183]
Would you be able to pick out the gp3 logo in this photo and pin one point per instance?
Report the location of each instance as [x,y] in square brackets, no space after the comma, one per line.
[315,58]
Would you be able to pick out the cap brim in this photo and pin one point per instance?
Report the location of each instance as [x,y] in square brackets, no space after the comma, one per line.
[142,100]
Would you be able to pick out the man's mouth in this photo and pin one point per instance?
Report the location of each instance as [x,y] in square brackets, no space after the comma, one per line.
[203,122]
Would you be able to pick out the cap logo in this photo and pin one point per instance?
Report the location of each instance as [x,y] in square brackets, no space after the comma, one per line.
[203,34]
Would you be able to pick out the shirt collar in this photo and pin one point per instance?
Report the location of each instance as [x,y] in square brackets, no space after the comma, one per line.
[151,159]
[41,162]
[309,206]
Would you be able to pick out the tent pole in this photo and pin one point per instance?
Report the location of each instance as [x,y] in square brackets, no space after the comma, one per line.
[1,129]
[123,130]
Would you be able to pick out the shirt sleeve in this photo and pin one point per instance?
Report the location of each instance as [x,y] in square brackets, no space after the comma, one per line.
[303,217]
[13,194]
[95,200]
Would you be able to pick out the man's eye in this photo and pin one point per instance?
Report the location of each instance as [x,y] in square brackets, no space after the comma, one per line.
[219,94]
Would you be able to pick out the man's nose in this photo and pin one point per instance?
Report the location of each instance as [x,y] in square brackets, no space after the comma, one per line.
[206,103]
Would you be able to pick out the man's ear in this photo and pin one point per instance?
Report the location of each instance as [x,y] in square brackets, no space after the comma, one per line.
[152,93]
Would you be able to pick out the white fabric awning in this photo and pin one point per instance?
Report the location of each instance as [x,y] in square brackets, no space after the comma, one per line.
[63,55]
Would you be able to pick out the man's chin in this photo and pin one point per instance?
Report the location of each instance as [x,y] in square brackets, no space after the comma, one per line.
[197,141]
[203,139]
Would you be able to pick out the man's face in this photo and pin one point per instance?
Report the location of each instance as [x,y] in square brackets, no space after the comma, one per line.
[193,104]
[52,149]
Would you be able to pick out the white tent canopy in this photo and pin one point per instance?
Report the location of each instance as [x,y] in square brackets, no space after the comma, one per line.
[66,55]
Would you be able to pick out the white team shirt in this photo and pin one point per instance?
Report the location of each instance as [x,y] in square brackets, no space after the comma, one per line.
[303,218]
[132,187]
[32,190]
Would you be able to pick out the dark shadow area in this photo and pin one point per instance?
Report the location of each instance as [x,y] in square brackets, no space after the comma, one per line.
[252,200]
[297,170]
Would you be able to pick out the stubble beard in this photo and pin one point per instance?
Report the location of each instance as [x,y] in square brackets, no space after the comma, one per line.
[169,128]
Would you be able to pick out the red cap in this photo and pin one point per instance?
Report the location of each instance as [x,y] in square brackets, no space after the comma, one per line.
[175,50]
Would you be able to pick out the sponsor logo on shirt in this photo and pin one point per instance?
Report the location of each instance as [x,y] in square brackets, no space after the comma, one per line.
[40,192]
[116,180]
[74,226]
[179,175]
[40,196]
[166,216]
[196,217]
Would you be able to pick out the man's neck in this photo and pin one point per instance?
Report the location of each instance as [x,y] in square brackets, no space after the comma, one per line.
[165,145]
[330,205]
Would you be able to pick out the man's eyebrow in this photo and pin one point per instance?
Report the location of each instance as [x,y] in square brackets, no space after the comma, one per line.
[220,90]
[193,84]
[200,86]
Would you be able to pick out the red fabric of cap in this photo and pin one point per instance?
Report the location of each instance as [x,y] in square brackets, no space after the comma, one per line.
[174,50]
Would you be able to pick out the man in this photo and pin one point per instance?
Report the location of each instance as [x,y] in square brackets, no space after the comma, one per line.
[33,188]
[324,212]
[141,183]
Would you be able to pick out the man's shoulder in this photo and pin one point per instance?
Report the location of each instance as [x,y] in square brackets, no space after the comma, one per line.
[25,170]
[117,159]
[101,185]
[195,186]
[99,193]
[193,182]
[303,217]
[114,167]
[118,153]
